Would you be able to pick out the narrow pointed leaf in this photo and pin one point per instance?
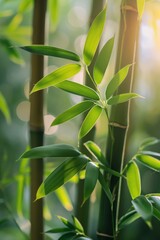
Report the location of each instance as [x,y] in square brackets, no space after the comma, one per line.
[149,161]
[154,154]
[140,7]
[156,213]
[72,112]
[102,61]
[94,149]
[78,225]
[155,201]
[94,36]
[105,187]
[59,75]
[143,206]
[127,219]
[91,177]
[148,142]
[51,51]
[78,89]
[66,223]
[58,230]
[64,198]
[56,150]
[133,180]
[90,120]
[116,81]
[61,175]
[122,98]
[4,108]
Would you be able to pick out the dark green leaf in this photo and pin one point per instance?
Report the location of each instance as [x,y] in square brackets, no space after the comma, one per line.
[59,75]
[127,219]
[148,142]
[122,98]
[94,149]
[155,201]
[61,175]
[78,89]
[82,238]
[156,213]
[78,225]
[90,121]
[93,37]
[105,187]
[4,108]
[51,51]
[67,236]
[56,150]
[66,223]
[72,112]
[58,230]
[149,161]
[101,64]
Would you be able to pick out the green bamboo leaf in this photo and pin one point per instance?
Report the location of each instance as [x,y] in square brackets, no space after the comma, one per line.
[133,180]
[156,213]
[67,236]
[61,175]
[109,170]
[78,89]
[67,223]
[143,207]
[55,150]
[155,202]
[90,120]
[96,152]
[140,7]
[127,219]
[53,8]
[148,142]
[78,225]
[116,81]
[101,64]
[82,238]
[51,51]
[64,198]
[4,108]
[94,36]
[58,230]
[149,161]
[154,154]
[105,187]
[91,177]
[72,112]
[59,75]
[122,98]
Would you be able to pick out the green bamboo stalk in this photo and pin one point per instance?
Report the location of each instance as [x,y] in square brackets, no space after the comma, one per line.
[36,120]
[119,119]
[82,212]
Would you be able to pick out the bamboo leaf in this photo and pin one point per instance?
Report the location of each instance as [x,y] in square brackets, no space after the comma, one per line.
[154,154]
[64,198]
[4,108]
[140,7]
[149,161]
[127,219]
[67,236]
[143,206]
[51,51]
[59,75]
[155,202]
[58,230]
[72,112]
[78,225]
[53,7]
[61,175]
[133,180]
[105,187]
[156,213]
[148,142]
[66,223]
[91,177]
[90,120]
[101,65]
[122,98]
[116,81]
[82,238]
[78,89]
[93,37]
[55,150]
[96,152]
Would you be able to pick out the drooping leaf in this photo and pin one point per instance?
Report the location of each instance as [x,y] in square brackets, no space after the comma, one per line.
[116,81]
[90,120]
[140,7]
[143,206]
[105,187]
[55,150]
[122,98]
[148,142]
[57,76]
[133,180]
[149,161]
[102,61]
[78,89]
[72,112]
[90,181]
[93,37]
[61,175]
[51,51]
[78,225]
[127,219]
[94,149]
[4,108]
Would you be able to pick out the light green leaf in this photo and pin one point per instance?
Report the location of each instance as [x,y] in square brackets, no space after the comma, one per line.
[78,89]
[154,154]
[133,180]
[66,223]
[143,206]
[96,152]
[90,121]
[61,175]
[122,98]
[148,142]
[55,150]
[127,219]
[116,81]
[93,37]
[77,225]
[72,112]
[64,198]
[53,8]
[59,75]
[4,108]
[90,181]
[105,187]
[51,51]
[149,161]
[102,61]
[140,7]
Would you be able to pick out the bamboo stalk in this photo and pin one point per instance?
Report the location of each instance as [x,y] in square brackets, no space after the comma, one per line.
[119,119]
[36,120]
